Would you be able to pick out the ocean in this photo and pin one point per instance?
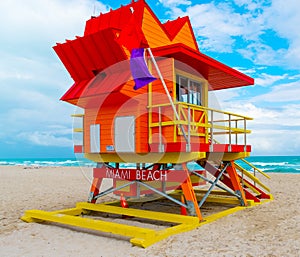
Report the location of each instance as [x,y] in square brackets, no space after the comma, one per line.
[280,164]
[50,162]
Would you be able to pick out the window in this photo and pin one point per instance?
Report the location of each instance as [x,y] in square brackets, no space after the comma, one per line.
[188,90]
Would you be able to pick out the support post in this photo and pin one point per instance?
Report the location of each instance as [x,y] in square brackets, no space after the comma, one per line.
[236,183]
[229,139]
[161,148]
[236,135]
[211,131]
[245,135]
[189,194]
[95,188]
[188,146]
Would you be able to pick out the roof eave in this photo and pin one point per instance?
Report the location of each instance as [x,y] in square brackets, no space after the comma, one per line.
[191,57]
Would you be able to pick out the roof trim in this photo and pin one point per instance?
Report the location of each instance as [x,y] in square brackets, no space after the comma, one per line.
[206,65]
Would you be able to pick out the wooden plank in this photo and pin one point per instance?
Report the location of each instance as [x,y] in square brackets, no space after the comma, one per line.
[185,36]
[151,215]
[104,226]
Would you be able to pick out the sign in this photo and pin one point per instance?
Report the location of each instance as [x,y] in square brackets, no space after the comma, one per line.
[146,175]
[140,174]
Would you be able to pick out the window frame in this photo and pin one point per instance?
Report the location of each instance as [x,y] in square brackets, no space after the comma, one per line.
[191,89]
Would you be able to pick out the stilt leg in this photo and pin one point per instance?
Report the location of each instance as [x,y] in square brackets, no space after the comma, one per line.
[183,209]
[94,190]
[231,179]
[190,195]
[220,173]
[236,182]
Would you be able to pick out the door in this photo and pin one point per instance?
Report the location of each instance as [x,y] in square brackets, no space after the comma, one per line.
[125,134]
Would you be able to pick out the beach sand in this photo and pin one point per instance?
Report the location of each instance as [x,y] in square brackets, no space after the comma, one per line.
[270,229]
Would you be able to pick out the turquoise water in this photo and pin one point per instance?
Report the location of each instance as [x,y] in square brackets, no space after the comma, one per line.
[281,164]
[52,162]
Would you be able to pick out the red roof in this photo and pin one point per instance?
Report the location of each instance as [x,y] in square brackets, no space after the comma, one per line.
[87,58]
[219,75]
[173,27]
[108,81]
[116,19]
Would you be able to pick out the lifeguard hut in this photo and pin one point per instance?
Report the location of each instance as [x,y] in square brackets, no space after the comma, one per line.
[143,86]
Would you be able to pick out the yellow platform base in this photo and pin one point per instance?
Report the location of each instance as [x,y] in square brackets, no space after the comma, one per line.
[139,236]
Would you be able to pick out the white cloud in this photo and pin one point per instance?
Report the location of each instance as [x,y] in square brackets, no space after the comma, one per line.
[284,18]
[249,71]
[275,132]
[47,138]
[287,115]
[43,20]
[275,142]
[262,54]
[274,129]
[220,28]
[172,3]
[216,99]
[265,80]
[281,93]
[251,5]
[29,30]
[32,78]
[260,115]
[215,25]
[41,120]
[292,77]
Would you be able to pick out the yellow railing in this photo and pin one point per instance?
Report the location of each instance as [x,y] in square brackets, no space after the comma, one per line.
[199,121]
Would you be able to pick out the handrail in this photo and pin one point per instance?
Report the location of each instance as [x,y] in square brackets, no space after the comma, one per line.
[254,178]
[249,175]
[202,108]
[193,123]
[236,123]
[252,166]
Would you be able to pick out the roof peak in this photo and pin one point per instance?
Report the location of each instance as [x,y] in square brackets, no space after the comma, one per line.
[116,18]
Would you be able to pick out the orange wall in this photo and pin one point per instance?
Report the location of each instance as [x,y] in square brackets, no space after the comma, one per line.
[129,102]
[153,32]
[105,116]
[157,37]
[185,37]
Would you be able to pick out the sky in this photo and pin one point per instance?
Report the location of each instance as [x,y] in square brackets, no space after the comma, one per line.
[258,37]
